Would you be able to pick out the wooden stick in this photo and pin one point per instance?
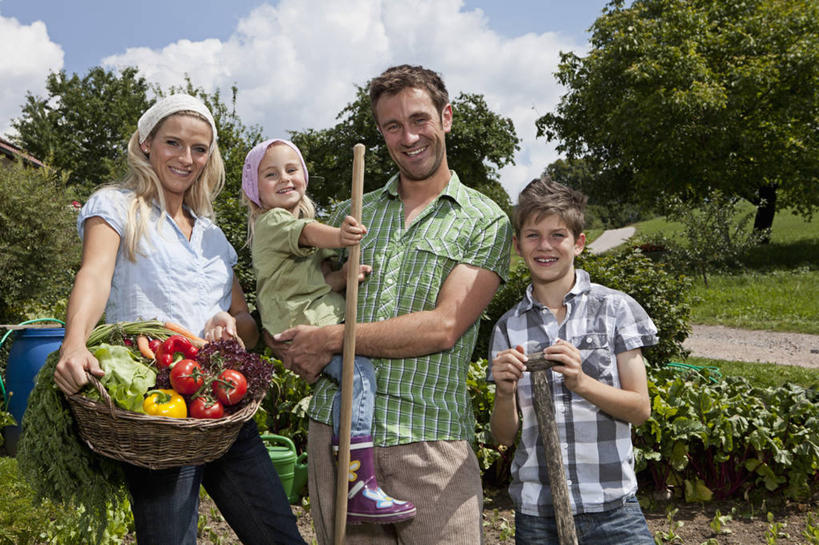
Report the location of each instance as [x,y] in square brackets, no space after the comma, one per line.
[345,418]
[545,411]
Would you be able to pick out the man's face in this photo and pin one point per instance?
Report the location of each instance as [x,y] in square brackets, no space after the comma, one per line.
[414,132]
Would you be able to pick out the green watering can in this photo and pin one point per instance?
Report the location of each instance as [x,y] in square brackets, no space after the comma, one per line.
[292,468]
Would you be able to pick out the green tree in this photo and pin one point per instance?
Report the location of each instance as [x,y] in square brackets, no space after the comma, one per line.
[39,249]
[480,143]
[81,127]
[683,97]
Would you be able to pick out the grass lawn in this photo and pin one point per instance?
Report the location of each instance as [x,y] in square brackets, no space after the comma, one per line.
[777,301]
[762,375]
[777,286]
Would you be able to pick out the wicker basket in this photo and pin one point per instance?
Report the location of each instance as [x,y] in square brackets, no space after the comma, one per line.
[154,442]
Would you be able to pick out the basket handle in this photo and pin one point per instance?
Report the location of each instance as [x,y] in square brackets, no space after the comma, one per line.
[94,381]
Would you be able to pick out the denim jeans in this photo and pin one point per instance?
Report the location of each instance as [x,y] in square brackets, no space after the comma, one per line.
[624,525]
[243,483]
[363,394]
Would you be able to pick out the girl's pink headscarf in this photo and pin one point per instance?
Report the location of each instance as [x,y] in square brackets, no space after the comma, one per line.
[250,172]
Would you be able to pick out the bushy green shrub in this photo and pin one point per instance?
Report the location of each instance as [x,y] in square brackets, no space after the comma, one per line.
[715,235]
[39,249]
[284,409]
[24,521]
[665,296]
[724,438]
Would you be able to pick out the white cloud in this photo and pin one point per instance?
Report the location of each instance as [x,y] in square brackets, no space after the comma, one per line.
[28,56]
[296,64]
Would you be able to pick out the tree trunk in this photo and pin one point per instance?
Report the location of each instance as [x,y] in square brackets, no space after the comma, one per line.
[765,210]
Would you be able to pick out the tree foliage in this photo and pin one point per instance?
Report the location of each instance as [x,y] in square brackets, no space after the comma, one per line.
[81,127]
[39,249]
[686,96]
[480,143]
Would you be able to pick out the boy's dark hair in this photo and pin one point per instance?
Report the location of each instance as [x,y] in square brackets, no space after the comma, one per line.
[543,197]
[397,78]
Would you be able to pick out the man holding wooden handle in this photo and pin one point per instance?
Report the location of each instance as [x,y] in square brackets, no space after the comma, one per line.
[438,250]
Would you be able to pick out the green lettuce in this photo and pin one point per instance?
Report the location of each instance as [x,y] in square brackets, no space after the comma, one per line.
[126,379]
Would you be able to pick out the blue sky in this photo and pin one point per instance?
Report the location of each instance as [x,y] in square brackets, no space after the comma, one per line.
[296,62]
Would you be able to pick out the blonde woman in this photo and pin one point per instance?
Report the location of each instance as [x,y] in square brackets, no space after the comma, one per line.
[152,251]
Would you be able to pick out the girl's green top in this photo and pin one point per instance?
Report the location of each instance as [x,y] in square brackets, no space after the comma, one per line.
[290,286]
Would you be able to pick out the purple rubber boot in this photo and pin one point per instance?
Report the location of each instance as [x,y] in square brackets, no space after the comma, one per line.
[366,502]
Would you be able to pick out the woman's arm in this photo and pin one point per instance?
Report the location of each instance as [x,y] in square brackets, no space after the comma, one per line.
[86,304]
[237,322]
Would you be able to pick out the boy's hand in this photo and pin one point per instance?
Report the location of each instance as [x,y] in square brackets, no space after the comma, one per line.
[351,232]
[507,368]
[571,364]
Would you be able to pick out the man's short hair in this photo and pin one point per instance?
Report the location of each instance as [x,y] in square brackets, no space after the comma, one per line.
[397,78]
[543,197]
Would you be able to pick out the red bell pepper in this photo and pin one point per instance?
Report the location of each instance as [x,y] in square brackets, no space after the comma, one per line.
[173,349]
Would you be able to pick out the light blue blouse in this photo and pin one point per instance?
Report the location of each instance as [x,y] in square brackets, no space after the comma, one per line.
[173,278]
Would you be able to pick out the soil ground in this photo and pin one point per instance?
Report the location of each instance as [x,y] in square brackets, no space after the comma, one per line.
[691,523]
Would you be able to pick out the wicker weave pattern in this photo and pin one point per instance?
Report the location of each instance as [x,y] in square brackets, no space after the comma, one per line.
[154,442]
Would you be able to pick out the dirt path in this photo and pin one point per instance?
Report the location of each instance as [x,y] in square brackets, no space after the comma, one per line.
[727,343]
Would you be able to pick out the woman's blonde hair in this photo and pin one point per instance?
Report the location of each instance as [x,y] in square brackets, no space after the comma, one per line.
[144,182]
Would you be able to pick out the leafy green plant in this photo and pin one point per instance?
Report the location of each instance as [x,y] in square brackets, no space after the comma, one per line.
[713,237]
[724,438]
[775,530]
[811,531]
[284,409]
[670,535]
[718,523]
[39,249]
[24,520]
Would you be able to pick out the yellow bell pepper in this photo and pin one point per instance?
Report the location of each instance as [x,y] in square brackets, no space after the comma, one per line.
[165,403]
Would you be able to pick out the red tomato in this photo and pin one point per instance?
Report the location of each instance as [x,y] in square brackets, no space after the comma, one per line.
[206,408]
[187,377]
[230,387]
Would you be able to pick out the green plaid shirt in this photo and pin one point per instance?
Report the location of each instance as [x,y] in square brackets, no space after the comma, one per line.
[423,398]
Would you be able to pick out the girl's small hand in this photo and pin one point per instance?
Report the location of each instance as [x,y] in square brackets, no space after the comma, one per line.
[351,232]
[507,368]
[363,271]
[571,364]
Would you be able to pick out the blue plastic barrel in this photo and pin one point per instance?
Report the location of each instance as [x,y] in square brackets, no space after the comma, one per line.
[27,355]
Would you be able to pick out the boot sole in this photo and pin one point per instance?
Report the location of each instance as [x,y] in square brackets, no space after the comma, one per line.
[387,518]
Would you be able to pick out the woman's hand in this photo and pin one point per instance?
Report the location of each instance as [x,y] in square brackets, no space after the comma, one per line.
[507,368]
[70,373]
[222,326]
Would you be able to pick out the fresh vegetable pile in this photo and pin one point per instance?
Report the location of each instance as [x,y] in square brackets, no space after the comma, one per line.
[159,369]
[55,460]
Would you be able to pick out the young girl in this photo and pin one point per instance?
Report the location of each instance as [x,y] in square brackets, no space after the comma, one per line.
[295,285]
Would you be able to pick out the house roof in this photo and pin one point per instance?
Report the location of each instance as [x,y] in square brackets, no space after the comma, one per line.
[13,152]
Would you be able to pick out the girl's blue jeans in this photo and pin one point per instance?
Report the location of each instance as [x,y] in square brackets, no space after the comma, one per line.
[363,394]
[624,525]
[243,483]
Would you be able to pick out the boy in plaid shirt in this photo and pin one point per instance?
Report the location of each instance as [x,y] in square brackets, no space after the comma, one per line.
[599,385]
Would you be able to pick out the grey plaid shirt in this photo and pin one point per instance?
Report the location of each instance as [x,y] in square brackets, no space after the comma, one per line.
[596,448]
